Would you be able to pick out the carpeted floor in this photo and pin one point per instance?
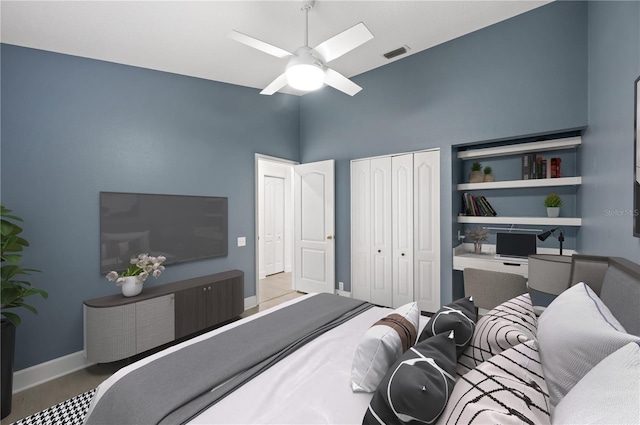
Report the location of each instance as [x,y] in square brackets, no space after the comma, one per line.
[69,412]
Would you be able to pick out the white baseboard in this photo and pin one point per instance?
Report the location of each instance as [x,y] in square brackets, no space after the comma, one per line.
[250,302]
[47,371]
[343,293]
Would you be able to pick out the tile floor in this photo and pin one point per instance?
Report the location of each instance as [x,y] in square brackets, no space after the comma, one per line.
[273,290]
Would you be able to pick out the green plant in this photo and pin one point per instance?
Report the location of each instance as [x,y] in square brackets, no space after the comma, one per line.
[487,170]
[476,166]
[553,201]
[14,290]
[477,235]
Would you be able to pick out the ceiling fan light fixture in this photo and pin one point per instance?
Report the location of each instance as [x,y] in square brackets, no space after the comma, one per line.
[305,72]
[305,77]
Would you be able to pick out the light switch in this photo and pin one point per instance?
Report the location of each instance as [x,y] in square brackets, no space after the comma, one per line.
[242,241]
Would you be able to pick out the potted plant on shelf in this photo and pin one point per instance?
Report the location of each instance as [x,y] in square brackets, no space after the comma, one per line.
[553,202]
[477,236]
[476,175]
[488,177]
[13,292]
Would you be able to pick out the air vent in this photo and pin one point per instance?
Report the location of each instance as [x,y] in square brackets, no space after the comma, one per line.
[397,52]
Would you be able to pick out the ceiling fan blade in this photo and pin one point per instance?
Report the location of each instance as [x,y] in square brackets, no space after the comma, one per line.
[275,85]
[258,44]
[340,82]
[344,42]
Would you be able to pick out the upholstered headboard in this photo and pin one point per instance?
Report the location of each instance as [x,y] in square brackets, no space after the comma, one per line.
[617,281]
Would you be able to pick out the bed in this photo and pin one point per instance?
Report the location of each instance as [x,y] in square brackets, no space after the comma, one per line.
[314,383]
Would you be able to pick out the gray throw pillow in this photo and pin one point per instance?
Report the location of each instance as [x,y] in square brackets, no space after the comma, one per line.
[458,316]
[418,385]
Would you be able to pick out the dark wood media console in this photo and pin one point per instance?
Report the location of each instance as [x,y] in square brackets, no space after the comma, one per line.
[117,327]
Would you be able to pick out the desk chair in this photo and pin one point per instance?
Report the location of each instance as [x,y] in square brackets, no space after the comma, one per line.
[490,288]
[549,277]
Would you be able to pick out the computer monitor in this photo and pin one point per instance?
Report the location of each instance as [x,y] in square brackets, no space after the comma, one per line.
[518,245]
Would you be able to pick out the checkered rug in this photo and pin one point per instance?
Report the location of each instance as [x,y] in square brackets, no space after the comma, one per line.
[69,412]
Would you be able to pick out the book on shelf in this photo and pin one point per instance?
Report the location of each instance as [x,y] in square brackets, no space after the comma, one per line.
[537,167]
[477,206]
[526,167]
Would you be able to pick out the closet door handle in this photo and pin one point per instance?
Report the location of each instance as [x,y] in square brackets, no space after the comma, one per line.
[379,251]
[402,254]
[329,237]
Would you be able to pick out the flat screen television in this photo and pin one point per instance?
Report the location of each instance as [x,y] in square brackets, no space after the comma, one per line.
[180,227]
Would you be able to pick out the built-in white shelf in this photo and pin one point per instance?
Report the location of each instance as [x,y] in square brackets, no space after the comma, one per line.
[542,146]
[536,221]
[515,184]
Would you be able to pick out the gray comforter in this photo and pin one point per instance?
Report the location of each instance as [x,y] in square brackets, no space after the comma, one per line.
[175,388]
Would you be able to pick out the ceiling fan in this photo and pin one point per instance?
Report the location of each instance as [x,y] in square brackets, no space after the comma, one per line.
[306,69]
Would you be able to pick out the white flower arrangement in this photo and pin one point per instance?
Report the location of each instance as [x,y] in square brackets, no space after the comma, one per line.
[142,266]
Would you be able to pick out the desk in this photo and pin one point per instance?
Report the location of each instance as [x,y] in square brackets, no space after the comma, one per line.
[463,257]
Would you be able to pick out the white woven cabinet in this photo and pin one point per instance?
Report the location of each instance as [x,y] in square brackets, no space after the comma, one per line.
[126,330]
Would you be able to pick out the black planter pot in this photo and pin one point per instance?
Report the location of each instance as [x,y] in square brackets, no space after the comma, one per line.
[6,371]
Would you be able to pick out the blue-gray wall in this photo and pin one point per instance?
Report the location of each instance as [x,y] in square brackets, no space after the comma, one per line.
[524,76]
[73,127]
[606,159]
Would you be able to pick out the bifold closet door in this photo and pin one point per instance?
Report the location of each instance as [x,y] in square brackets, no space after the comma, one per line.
[426,198]
[371,244]
[381,232]
[402,228]
[361,230]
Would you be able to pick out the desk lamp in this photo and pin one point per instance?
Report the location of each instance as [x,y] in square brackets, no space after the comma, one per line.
[544,235]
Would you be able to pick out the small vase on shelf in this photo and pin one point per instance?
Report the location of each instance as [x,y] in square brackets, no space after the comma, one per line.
[477,247]
[132,286]
[553,212]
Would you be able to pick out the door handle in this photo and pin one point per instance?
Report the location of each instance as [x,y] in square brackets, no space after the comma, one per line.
[329,237]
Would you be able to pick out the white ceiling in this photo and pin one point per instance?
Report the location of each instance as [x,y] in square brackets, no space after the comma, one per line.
[190,37]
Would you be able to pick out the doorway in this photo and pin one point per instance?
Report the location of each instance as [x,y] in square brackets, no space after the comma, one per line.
[274,227]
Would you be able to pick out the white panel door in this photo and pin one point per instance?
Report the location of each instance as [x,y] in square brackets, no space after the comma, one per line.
[273,225]
[381,242]
[402,228]
[278,216]
[426,171]
[314,199]
[269,233]
[361,230]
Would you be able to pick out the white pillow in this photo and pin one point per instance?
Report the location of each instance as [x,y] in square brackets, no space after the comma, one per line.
[608,393]
[382,345]
[575,333]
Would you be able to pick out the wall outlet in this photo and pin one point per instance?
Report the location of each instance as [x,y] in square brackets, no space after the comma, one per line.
[341,286]
[242,241]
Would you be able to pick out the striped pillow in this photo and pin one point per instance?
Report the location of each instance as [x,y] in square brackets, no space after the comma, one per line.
[509,388]
[382,345]
[509,324]
[417,387]
[458,316]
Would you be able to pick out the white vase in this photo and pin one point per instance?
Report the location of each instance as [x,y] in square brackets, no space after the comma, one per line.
[132,286]
[553,211]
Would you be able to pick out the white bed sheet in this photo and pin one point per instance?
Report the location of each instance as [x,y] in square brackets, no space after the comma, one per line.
[310,386]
